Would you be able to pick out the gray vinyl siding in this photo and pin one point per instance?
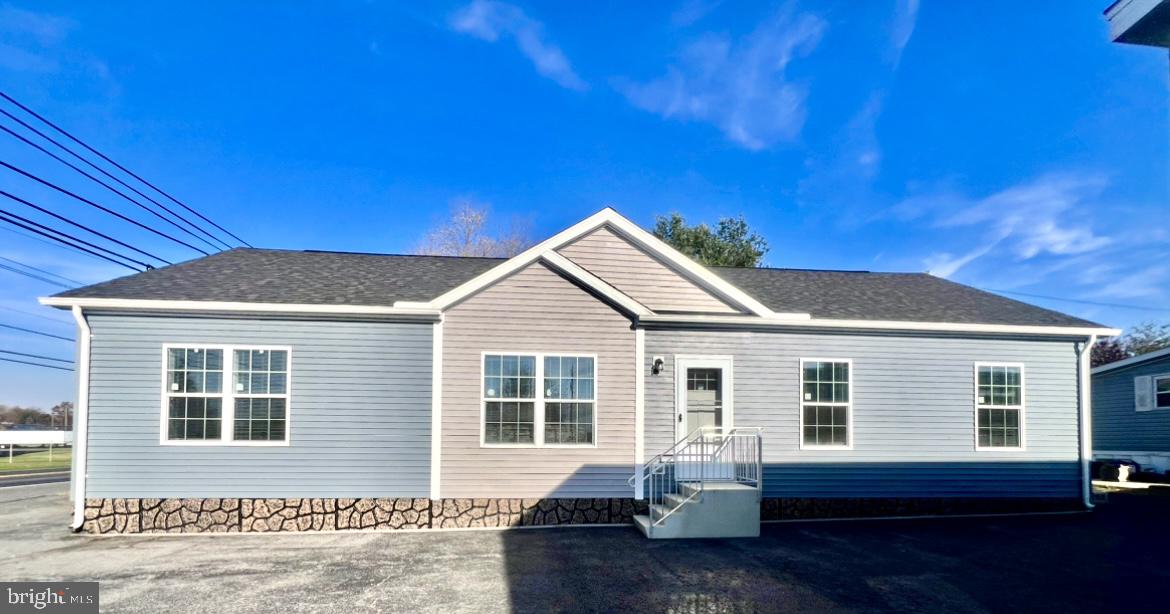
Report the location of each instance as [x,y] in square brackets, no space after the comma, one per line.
[359,411]
[1117,426]
[536,310]
[913,425]
[636,273]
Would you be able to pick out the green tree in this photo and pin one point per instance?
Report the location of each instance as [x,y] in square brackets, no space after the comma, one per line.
[731,243]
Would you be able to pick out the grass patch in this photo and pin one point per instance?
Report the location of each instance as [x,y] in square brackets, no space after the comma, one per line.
[62,457]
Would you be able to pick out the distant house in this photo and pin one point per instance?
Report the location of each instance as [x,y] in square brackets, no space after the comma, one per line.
[599,377]
[1140,22]
[1131,411]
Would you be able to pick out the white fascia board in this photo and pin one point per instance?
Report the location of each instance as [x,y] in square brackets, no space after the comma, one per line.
[594,282]
[1129,362]
[225,306]
[944,327]
[630,230]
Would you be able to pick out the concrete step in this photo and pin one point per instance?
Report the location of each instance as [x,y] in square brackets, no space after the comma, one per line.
[642,521]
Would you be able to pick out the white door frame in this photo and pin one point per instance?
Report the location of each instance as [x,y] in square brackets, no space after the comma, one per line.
[682,362]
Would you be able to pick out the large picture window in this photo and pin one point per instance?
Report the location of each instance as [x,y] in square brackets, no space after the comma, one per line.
[225,395]
[999,406]
[561,412]
[826,403]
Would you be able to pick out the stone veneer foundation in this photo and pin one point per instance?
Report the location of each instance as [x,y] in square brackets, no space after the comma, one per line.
[268,515]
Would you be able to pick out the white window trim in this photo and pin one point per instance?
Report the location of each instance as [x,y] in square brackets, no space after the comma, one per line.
[538,401]
[1154,391]
[800,402]
[1021,407]
[229,396]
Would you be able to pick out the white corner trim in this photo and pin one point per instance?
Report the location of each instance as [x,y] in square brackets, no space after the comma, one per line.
[1086,407]
[594,282]
[819,323]
[436,409]
[168,305]
[81,422]
[639,410]
[1129,362]
[629,230]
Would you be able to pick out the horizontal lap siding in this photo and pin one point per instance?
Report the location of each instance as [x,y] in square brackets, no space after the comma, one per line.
[1117,426]
[359,409]
[913,413]
[640,275]
[536,310]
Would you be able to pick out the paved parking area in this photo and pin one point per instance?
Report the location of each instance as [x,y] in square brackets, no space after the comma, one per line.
[1117,558]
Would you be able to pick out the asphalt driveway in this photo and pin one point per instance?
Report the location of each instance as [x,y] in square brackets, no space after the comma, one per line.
[1116,558]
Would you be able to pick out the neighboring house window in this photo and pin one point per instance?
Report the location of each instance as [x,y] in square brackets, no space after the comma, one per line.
[252,409]
[564,411]
[261,402]
[194,389]
[1162,391]
[999,406]
[825,403]
[568,400]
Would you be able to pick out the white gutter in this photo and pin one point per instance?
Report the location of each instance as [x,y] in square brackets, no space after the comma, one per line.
[817,323]
[1086,402]
[226,306]
[81,420]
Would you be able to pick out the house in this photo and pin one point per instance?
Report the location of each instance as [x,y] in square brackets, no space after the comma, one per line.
[1131,411]
[1140,22]
[598,376]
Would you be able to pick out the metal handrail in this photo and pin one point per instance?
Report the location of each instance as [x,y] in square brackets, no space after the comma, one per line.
[691,461]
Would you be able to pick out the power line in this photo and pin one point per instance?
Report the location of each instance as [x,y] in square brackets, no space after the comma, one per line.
[108,186]
[112,176]
[36,332]
[36,364]
[83,227]
[8,217]
[1083,302]
[36,238]
[89,202]
[5,267]
[120,167]
[36,315]
[39,270]
[37,356]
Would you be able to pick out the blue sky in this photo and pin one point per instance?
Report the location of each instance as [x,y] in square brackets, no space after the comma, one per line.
[1007,146]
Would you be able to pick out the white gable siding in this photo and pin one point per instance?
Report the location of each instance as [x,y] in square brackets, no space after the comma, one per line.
[536,310]
[639,275]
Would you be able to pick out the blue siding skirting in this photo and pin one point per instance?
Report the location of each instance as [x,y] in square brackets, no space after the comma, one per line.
[923,480]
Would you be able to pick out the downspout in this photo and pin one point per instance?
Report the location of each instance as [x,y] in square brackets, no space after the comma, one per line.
[81,419]
[1086,421]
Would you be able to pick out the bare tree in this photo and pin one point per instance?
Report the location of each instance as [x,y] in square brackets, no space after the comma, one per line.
[466,233]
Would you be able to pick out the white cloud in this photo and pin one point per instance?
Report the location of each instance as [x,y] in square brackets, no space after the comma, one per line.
[45,29]
[1145,283]
[1041,217]
[905,19]
[692,11]
[945,264]
[738,85]
[488,20]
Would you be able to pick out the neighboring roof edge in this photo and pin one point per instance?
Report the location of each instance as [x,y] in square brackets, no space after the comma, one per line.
[1132,362]
[608,216]
[65,302]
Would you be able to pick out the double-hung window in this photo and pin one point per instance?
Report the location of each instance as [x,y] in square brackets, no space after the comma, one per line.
[225,395]
[1162,391]
[999,406]
[825,403]
[539,400]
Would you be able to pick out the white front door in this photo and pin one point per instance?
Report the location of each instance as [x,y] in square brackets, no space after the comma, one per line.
[703,393]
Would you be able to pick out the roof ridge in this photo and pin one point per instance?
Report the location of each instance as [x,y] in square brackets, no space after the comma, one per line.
[353,253]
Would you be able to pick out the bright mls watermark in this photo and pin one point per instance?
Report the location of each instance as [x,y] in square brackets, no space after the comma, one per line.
[63,597]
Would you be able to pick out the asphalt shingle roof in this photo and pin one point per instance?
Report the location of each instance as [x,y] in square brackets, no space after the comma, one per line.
[339,278]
